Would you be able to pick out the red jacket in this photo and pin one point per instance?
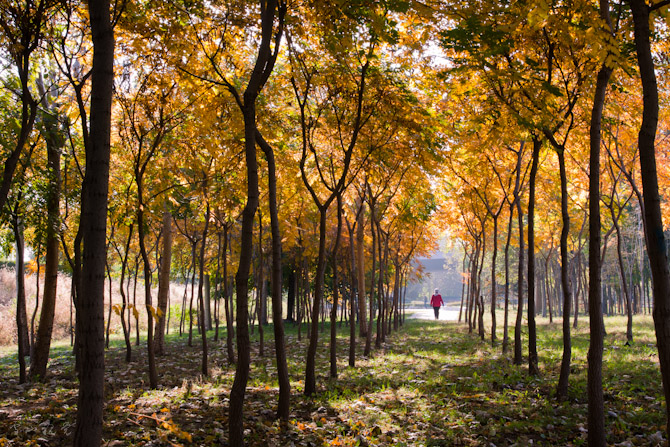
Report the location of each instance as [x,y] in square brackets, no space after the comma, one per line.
[436,300]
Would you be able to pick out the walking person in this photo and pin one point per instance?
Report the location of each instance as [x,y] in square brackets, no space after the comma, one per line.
[436,302]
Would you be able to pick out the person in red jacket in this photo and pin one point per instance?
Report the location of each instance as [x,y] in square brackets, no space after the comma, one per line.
[436,302]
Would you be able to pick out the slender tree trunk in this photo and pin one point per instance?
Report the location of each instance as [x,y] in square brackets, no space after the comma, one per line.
[260,289]
[396,294]
[201,296]
[505,343]
[284,403]
[164,281]
[479,297]
[380,287]
[124,297]
[153,375]
[656,244]
[226,296]
[368,337]
[136,312]
[194,247]
[463,283]
[562,388]
[310,377]
[352,303]
[109,307]
[217,284]
[624,285]
[21,315]
[473,287]
[533,368]
[262,69]
[40,357]
[90,318]
[333,311]
[596,409]
[37,304]
[518,349]
[360,269]
[494,257]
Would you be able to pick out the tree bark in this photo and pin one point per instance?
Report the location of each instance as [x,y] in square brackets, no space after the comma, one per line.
[153,375]
[518,349]
[562,388]
[494,256]
[284,402]
[40,357]
[230,331]
[164,281]
[310,377]
[333,311]
[262,69]
[505,342]
[360,270]
[88,431]
[21,315]
[596,409]
[656,244]
[533,368]
[352,302]
[201,295]
[368,335]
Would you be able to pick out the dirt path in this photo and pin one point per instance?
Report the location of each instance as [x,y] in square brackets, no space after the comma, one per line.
[447,313]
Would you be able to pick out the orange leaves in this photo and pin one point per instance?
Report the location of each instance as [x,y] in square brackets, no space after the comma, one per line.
[165,426]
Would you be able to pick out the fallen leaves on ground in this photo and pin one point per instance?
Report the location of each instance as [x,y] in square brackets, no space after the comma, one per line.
[432,385]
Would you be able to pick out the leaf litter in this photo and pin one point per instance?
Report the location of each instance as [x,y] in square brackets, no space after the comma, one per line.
[433,385]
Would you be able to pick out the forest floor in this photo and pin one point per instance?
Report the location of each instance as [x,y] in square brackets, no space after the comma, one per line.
[432,384]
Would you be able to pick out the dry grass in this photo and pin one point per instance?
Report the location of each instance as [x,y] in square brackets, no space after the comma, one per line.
[62,317]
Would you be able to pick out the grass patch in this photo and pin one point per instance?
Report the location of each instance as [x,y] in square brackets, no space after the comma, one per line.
[432,384]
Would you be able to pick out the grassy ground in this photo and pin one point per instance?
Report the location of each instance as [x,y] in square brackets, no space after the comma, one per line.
[432,385]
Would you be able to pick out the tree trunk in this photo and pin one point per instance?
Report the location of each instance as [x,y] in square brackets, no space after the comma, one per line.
[201,296]
[533,368]
[124,297]
[463,283]
[40,357]
[479,297]
[352,302]
[235,422]
[656,244]
[368,336]
[260,289]
[21,315]
[310,377]
[380,286]
[284,403]
[360,269]
[494,256]
[518,349]
[262,69]
[226,296]
[194,247]
[505,343]
[164,281]
[596,411]
[562,389]
[90,318]
[153,375]
[333,312]
[109,307]
[624,285]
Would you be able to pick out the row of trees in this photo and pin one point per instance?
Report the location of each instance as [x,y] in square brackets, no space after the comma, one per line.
[362,134]
[129,150]
[537,91]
